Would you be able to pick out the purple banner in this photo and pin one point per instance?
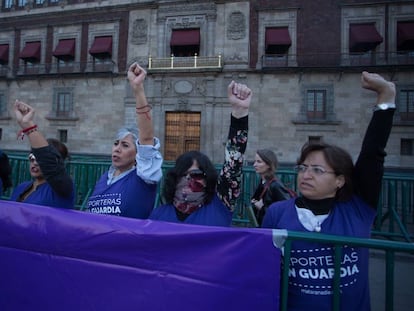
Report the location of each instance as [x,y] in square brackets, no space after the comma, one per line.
[56,259]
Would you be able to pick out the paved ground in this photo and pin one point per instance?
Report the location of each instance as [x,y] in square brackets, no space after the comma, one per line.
[404,282]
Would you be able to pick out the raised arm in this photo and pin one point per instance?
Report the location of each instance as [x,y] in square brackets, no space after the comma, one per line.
[49,159]
[229,181]
[136,77]
[149,159]
[369,167]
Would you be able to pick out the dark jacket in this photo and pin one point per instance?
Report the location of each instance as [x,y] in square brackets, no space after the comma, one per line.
[275,192]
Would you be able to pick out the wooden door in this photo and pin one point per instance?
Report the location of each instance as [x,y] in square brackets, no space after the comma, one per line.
[182,133]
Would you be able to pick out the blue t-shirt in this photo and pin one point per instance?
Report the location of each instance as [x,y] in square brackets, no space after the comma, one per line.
[129,196]
[213,214]
[44,195]
[311,267]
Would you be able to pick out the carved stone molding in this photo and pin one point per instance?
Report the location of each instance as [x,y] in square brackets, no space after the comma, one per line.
[236,28]
[139,31]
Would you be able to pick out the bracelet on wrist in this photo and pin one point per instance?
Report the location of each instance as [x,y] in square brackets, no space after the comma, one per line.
[144,110]
[27,131]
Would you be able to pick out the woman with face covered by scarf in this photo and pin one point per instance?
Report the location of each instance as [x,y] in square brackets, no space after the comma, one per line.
[193,192]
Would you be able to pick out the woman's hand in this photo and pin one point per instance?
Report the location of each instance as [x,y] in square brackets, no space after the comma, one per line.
[240,97]
[136,77]
[258,203]
[24,114]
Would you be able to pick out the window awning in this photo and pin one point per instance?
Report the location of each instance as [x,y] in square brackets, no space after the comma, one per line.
[185,37]
[363,37]
[4,54]
[278,36]
[101,47]
[405,36]
[65,49]
[31,52]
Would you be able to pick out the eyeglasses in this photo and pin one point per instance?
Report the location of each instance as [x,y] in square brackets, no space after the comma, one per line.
[314,170]
[31,157]
[196,174]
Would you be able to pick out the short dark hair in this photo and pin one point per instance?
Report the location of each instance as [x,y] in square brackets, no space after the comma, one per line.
[337,158]
[182,164]
[59,146]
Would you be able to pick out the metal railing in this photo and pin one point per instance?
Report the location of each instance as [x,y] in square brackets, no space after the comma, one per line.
[337,59]
[192,62]
[395,212]
[389,247]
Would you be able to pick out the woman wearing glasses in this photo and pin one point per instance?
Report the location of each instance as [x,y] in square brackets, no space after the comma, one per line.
[193,192]
[50,185]
[336,198]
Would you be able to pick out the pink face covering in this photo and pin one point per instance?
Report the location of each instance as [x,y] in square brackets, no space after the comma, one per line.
[189,194]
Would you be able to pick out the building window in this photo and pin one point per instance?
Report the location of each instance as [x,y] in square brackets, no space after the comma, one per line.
[65,50]
[8,4]
[406,105]
[407,147]
[3,105]
[363,38]
[277,40]
[31,52]
[21,3]
[63,136]
[101,48]
[4,54]
[316,104]
[63,104]
[314,139]
[185,42]
[405,37]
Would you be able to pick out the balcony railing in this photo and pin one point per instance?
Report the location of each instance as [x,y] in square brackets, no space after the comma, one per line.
[192,62]
[67,68]
[337,60]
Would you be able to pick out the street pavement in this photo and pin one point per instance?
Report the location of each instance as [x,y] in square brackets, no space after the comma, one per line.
[403,282]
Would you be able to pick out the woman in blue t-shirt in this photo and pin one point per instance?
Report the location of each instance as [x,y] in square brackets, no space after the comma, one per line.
[336,198]
[129,187]
[50,185]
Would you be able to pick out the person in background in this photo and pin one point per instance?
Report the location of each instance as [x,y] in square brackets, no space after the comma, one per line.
[129,188]
[193,192]
[336,198]
[5,173]
[50,185]
[270,189]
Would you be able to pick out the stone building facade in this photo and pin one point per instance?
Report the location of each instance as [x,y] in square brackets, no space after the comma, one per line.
[302,59]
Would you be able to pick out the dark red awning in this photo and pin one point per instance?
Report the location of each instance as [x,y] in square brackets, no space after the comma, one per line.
[102,46]
[405,36]
[65,49]
[363,37]
[4,53]
[278,36]
[31,51]
[185,37]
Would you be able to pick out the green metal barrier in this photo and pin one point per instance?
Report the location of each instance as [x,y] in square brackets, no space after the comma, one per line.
[395,219]
[338,242]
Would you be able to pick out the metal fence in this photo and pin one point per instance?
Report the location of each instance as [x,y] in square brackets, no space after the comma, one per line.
[395,213]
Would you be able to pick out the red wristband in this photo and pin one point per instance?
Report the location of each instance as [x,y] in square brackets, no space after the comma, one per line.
[26,131]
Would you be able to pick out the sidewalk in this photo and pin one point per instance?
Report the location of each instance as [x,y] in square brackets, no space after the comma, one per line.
[403,281]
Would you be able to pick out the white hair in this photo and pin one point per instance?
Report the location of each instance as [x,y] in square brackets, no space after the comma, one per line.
[123,132]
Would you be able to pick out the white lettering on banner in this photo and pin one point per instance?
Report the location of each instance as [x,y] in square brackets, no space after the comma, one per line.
[314,268]
[105,204]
